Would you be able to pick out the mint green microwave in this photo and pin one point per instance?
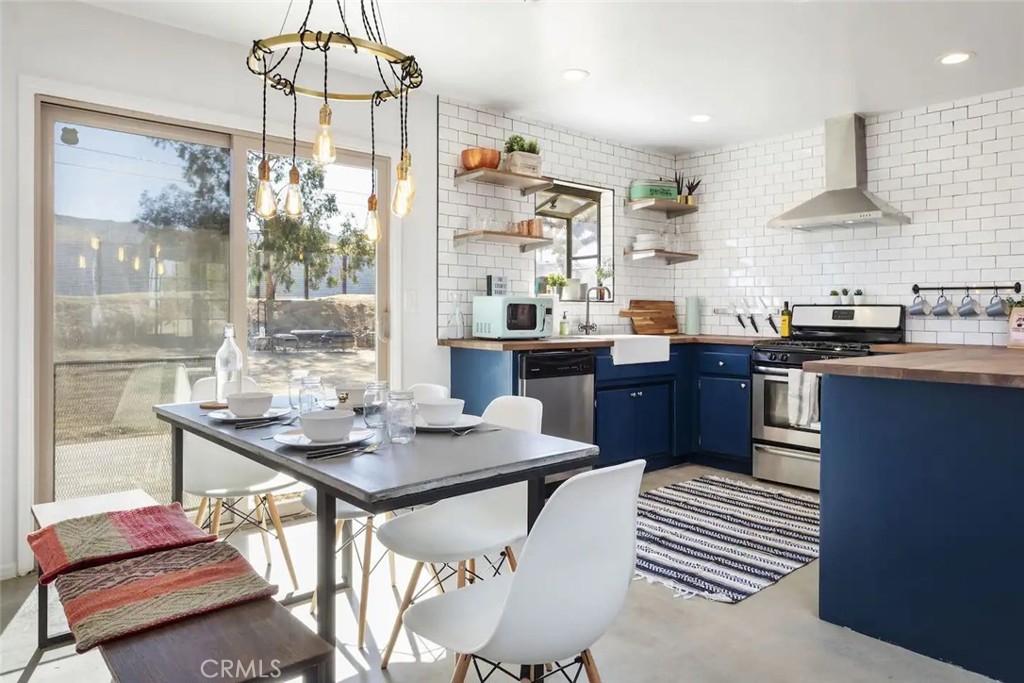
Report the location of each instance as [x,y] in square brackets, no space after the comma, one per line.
[512,317]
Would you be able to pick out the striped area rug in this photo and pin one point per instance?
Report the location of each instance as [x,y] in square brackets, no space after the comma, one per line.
[722,539]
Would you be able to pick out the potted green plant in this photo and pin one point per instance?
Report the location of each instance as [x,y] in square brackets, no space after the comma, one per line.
[858,297]
[846,299]
[603,272]
[691,186]
[522,156]
[836,299]
[680,186]
[556,283]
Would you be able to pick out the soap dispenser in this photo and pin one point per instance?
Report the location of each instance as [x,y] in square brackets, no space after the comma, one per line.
[563,326]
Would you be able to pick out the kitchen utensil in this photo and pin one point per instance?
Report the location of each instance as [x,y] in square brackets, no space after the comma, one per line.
[480,157]
[767,312]
[652,316]
[231,418]
[750,316]
[919,306]
[969,306]
[943,307]
[998,307]
[739,318]
[337,453]
[327,425]
[443,412]
[473,430]
[286,423]
[250,403]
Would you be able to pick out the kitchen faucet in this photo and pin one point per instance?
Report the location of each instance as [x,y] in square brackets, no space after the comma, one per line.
[588,327]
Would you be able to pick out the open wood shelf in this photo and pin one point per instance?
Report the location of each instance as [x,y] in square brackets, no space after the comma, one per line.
[526,184]
[670,207]
[670,257]
[524,242]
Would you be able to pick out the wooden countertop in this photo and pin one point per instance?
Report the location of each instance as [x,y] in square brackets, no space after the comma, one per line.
[561,343]
[978,365]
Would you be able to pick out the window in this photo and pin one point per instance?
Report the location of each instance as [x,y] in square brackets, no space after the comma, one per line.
[572,217]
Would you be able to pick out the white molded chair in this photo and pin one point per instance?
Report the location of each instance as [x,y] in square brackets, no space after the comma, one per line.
[212,472]
[575,569]
[428,392]
[460,529]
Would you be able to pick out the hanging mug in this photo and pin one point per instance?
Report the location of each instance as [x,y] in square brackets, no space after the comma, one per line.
[998,307]
[943,307]
[969,306]
[920,306]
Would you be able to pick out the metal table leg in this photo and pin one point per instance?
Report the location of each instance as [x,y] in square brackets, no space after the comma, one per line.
[326,509]
[177,466]
[534,504]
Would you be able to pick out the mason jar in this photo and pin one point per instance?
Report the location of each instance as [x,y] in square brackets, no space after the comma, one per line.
[401,417]
[311,395]
[375,403]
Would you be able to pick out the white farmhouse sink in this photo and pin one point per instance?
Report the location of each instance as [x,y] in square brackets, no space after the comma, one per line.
[629,349]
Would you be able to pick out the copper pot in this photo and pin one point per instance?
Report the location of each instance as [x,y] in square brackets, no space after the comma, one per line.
[480,157]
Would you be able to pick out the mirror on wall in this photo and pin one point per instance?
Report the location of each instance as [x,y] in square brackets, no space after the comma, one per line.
[579,221]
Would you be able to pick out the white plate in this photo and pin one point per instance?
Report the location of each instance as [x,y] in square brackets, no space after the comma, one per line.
[228,416]
[296,439]
[464,422]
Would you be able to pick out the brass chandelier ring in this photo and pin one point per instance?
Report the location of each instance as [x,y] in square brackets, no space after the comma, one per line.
[311,40]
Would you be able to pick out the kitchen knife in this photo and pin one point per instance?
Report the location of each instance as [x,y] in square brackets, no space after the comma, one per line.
[768,314]
[750,316]
[739,318]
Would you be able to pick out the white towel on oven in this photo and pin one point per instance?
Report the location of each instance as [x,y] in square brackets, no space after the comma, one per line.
[803,398]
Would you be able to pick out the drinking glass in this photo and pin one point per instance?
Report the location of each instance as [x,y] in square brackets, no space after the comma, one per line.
[295,387]
[375,401]
[330,395]
[401,417]
[311,396]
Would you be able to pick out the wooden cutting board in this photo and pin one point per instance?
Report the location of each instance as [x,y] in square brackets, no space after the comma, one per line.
[652,316]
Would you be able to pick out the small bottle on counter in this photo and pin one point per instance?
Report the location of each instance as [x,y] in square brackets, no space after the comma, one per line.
[786,318]
[563,326]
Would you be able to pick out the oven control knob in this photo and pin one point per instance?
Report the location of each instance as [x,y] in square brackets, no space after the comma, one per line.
[784,357]
[772,356]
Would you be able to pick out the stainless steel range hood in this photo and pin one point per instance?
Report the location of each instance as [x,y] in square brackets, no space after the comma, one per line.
[845,202]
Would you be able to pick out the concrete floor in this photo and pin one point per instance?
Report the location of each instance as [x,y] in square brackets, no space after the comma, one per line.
[773,636]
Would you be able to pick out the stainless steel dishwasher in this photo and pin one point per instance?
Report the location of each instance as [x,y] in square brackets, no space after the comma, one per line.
[564,382]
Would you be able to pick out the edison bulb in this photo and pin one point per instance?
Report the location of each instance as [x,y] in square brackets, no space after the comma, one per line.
[401,202]
[136,263]
[323,145]
[293,195]
[81,261]
[266,203]
[372,225]
[120,254]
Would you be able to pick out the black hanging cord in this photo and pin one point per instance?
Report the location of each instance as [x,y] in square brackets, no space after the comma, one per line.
[295,102]
[326,47]
[373,147]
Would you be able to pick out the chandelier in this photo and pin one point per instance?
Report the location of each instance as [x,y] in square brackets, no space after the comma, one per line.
[399,74]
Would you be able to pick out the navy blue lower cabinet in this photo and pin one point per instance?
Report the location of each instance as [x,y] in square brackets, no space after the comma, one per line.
[615,425]
[724,416]
[653,409]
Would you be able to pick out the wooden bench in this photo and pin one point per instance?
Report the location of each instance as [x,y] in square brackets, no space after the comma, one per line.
[248,642]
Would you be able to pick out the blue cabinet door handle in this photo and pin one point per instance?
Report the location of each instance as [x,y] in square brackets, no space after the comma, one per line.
[721,363]
[743,385]
[639,393]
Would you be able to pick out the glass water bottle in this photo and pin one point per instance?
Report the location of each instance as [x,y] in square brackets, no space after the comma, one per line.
[401,417]
[228,366]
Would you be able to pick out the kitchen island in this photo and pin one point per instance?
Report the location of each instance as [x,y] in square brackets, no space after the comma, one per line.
[921,514]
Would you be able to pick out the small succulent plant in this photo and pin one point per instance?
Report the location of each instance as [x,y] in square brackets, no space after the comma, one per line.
[517,143]
[834,293]
[846,292]
[858,292]
[691,185]
[680,182]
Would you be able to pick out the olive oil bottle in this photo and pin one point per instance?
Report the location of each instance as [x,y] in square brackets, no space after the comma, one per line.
[786,318]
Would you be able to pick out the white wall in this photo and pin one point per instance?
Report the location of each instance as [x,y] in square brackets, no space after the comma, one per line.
[568,156]
[956,169]
[93,55]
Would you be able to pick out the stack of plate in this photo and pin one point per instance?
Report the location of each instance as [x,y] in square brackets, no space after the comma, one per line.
[646,241]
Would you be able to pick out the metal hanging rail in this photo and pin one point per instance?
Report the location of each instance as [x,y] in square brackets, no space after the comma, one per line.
[1015,287]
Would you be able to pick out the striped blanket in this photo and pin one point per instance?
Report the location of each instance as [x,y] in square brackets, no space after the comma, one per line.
[98,539]
[140,593]
[722,539]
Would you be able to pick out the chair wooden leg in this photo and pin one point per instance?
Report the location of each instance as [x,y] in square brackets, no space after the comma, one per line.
[258,510]
[365,588]
[215,521]
[391,558]
[472,570]
[462,663]
[512,562]
[590,666]
[460,581]
[406,601]
[276,518]
[201,513]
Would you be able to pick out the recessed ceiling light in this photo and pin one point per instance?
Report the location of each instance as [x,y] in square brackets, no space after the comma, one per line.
[700,118]
[955,58]
[575,75]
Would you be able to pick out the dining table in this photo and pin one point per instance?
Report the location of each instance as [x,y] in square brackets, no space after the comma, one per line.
[434,466]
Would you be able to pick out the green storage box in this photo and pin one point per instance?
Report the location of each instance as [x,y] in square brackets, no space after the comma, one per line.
[652,189]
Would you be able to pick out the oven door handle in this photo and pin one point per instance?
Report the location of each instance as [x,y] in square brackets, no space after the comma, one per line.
[786,453]
[775,372]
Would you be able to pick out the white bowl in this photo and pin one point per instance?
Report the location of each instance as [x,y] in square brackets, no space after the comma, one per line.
[441,412]
[250,403]
[327,425]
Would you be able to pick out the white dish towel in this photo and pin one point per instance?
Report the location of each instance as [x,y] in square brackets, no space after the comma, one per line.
[803,398]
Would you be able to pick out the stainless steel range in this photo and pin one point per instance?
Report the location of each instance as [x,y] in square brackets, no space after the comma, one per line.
[785,423]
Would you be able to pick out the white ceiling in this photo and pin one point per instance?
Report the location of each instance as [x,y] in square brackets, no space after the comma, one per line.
[758,69]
